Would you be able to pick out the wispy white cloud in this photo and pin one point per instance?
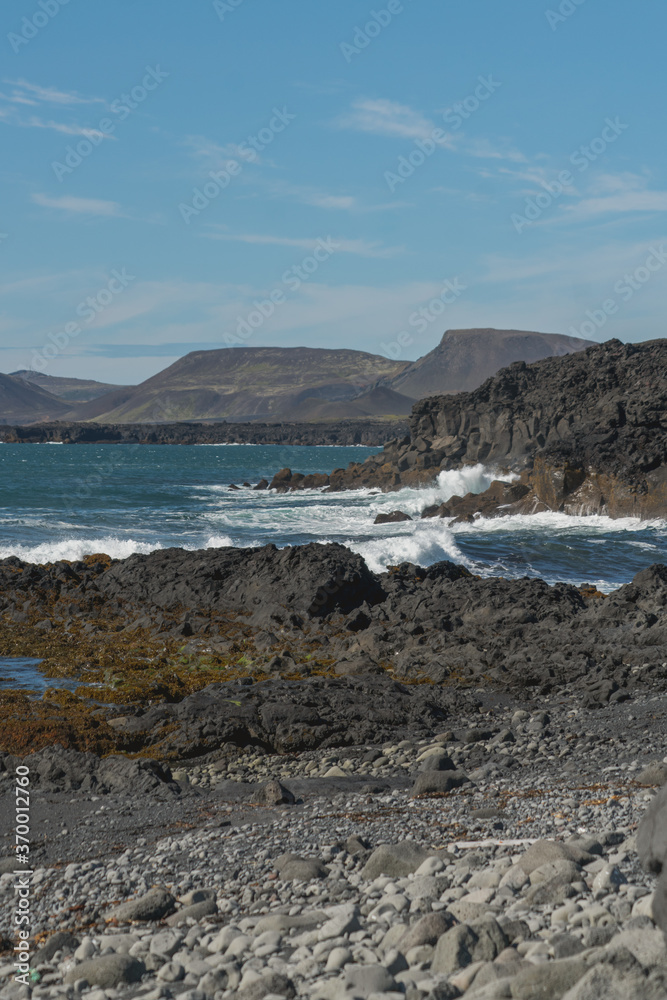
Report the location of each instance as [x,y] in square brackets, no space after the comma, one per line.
[33,284]
[362,248]
[605,194]
[25,94]
[617,204]
[10,116]
[320,200]
[307,195]
[605,184]
[399,121]
[214,155]
[388,118]
[85,206]
[64,128]
[32,93]
[567,267]
[615,194]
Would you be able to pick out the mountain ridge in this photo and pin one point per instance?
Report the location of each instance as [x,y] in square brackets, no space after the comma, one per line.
[465,358]
[22,402]
[285,383]
[73,390]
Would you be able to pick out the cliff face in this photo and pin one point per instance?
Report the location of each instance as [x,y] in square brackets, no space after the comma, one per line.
[586,432]
[604,407]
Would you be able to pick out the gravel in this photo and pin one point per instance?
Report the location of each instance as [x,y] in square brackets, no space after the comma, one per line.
[524,882]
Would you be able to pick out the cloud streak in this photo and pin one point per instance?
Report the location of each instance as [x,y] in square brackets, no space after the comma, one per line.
[362,248]
[32,93]
[80,206]
[387,118]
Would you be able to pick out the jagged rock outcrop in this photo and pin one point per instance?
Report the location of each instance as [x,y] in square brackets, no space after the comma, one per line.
[280,643]
[586,432]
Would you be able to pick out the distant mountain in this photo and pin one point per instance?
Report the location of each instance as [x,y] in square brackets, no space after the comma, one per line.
[243,383]
[279,384]
[23,403]
[465,358]
[75,390]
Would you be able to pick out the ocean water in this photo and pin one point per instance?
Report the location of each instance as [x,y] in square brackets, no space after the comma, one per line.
[66,501]
[19,673]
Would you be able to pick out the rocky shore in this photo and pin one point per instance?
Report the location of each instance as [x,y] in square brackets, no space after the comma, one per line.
[178,652]
[586,433]
[283,775]
[498,859]
[341,432]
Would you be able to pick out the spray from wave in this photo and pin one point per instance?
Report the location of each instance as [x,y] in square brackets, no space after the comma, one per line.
[76,548]
[422,543]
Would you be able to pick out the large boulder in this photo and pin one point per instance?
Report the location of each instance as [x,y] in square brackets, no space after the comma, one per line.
[311,580]
[107,971]
[153,905]
[396,860]
[55,769]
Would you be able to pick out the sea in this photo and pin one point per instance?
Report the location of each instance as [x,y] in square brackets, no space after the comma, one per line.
[66,501]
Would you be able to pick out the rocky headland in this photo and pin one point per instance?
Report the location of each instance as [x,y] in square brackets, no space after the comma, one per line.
[585,433]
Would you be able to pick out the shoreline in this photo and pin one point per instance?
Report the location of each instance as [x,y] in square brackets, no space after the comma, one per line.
[308,627]
[368,433]
[494,859]
[310,780]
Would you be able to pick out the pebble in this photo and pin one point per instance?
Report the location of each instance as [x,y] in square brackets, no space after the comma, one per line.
[377,895]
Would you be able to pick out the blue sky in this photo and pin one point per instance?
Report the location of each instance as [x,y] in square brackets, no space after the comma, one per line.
[170,169]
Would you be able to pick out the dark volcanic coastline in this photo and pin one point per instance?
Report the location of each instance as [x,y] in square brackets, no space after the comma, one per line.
[341,432]
[586,433]
[285,775]
[191,651]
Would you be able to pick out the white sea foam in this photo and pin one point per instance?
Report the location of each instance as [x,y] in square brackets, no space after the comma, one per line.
[422,543]
[219,542]
[549,521]
[471,479]
[211,516]
[77,548]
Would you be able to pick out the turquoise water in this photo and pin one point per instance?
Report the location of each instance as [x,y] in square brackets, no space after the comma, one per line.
[65,501]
